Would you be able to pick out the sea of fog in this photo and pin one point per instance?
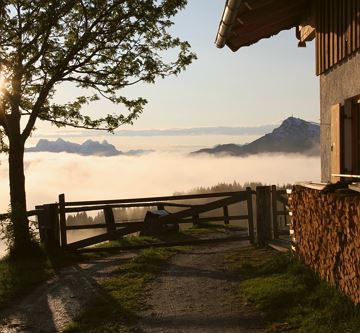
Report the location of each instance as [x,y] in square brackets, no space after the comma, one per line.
[92,177]
[155,174]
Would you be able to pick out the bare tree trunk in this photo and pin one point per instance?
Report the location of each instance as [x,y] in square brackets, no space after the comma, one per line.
[20,223]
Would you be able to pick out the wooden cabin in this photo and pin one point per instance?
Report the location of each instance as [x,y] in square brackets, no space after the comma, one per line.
[334,26]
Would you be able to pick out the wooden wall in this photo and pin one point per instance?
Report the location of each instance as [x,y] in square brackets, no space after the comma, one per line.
[337,32]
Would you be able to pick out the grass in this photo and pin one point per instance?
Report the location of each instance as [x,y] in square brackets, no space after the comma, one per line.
[205,228]
[123,295]
[169,236]
[290,294]
[129,241]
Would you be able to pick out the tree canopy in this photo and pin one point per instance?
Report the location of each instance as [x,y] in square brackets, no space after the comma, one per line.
[100,46]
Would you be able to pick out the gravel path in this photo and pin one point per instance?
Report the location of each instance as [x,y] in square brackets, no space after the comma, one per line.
[58,302]
[195,294]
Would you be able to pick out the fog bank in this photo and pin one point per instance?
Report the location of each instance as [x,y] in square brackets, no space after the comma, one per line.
[91,178]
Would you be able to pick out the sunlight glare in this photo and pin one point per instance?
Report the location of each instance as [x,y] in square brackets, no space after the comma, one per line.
[2,82]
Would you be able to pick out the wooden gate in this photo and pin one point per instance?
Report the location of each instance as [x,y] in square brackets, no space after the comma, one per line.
[188,211]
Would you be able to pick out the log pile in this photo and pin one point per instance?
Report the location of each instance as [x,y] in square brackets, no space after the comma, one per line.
[326,236]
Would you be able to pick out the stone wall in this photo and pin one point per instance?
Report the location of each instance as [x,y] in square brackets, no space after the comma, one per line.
[326,233]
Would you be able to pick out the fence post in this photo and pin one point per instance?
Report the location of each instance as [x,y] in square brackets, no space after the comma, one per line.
[42,219]
[48,220]
[195,219]
[250,214]
[285,215]
[109,220]
[160,207]
[226,214]
[274,212]
[263,213]
[62,214]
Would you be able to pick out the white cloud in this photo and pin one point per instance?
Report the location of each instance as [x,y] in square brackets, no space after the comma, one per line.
[92,178]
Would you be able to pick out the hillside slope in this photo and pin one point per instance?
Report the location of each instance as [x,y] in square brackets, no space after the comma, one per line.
[294,135]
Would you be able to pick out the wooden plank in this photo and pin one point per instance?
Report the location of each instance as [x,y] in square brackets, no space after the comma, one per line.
[42,223]
[335,20]
[216,219]
[203,208]
[327,41]
[355,130]
[195,219]
[166,244]
[353,26]
[145,204]
[322,37]
[63,235]
[249,193]
[340,30]
[54,227]
[263,214]
[348,27]
[29,213]
[103,237]
[357,15]
[86,226]
[282,198]
[284,232]
[330,34]
[165,198]
[141,223]
[226,214]
[160,206]
[335,141]
[312,185]
[318,39]
[333,32]
[274,211]
[343,29]
[109,219]
[280,192]
[347,138]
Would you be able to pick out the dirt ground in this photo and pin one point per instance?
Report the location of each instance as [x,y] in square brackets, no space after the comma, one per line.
[194,294]
[50,307]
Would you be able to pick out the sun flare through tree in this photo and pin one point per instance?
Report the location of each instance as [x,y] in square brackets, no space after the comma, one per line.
[99,47]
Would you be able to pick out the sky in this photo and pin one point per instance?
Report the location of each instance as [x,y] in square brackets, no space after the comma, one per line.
[258,85]
[261,84]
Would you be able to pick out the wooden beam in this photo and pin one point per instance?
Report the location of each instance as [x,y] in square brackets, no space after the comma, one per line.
[250,215]
[63,235]
[335,142]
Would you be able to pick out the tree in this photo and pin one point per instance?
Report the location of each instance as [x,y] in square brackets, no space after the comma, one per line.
[100,46]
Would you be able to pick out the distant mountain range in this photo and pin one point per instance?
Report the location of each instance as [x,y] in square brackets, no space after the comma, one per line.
[294,135]
[196,131]
[89,147]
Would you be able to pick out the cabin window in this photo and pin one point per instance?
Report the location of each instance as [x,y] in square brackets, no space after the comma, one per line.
[345,140]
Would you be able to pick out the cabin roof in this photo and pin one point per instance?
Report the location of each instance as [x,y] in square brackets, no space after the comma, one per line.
[253,20]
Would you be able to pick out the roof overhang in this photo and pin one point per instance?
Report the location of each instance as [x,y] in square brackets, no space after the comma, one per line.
[246,22]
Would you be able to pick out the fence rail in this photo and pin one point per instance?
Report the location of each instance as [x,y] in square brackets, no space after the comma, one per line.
[262,219]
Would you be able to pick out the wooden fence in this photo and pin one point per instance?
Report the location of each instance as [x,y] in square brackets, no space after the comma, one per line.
[53,226]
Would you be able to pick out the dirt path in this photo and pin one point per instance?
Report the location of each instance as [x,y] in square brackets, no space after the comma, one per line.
[196,294]
[58,302]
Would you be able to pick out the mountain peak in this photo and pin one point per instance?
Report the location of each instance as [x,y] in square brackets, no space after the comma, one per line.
[294,135]
[89,147]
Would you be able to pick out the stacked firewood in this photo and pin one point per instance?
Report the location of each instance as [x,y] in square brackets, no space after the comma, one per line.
[326,236]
